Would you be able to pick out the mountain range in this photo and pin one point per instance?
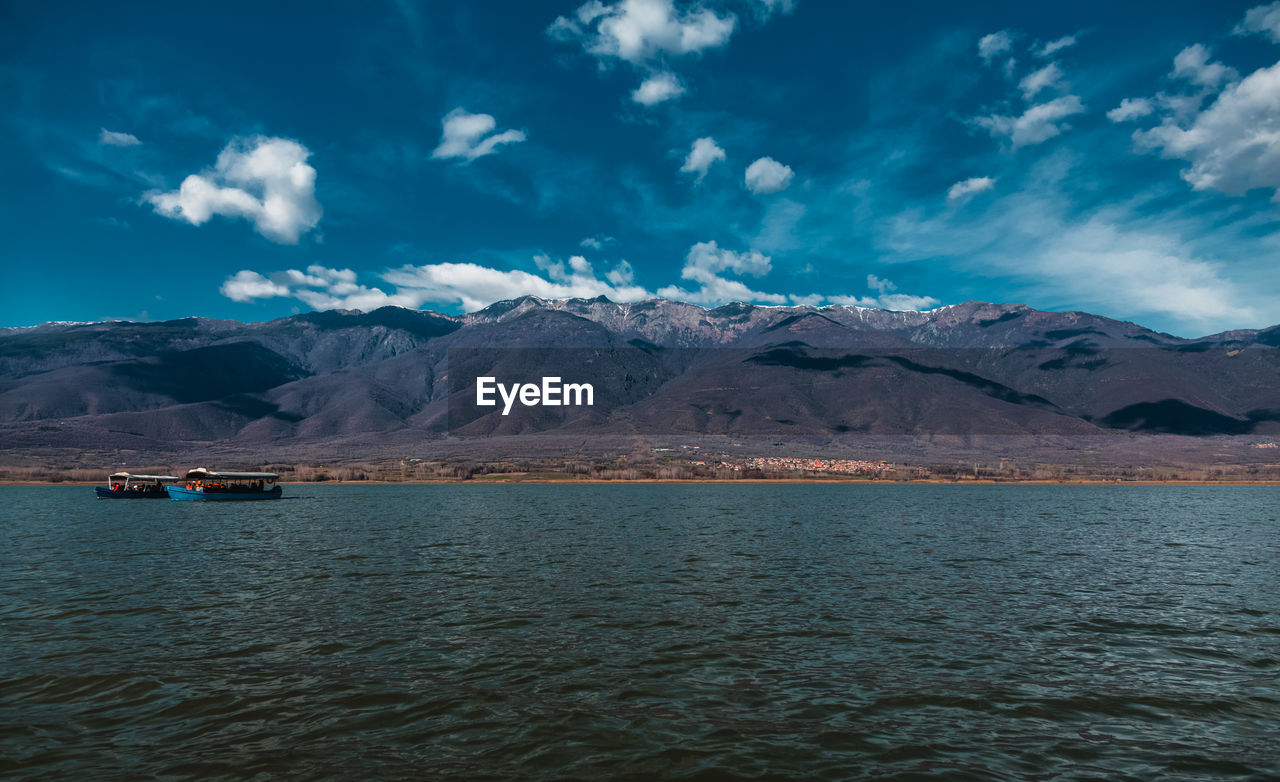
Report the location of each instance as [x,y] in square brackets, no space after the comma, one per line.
[345,379]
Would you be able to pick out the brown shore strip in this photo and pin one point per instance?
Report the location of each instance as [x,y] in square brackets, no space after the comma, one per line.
[515,480]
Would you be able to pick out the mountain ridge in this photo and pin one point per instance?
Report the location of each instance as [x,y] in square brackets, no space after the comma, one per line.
[662,366]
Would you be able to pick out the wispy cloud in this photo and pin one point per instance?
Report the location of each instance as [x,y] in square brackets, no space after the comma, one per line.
[112,138]
[967,188]
[1050,76]
[264,180]
[470,136]
[1037,124]
[1053,47]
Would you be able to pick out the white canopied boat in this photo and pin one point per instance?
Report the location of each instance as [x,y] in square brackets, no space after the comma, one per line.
[205,484]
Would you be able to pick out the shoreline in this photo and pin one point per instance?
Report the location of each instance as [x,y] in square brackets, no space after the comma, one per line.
[719,481]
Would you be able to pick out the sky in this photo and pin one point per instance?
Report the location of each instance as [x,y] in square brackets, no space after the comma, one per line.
[250,161]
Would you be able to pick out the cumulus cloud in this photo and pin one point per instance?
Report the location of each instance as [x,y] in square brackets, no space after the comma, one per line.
[1053,47]
[113,138]
[1233,145]
[638,31]
[658,88]
[969,187]
[1037,124]
[1192,64]
[702,155]
[1262,20]
[266,181]
[767,175]
[1047,77]
[469,136]
[993,45]
[705,265]
[248,285]
[1131,108]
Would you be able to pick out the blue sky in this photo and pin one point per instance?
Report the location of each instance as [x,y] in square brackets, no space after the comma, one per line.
[250,161]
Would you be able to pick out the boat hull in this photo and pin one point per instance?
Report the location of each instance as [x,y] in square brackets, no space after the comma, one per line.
[105,493]
[200,495]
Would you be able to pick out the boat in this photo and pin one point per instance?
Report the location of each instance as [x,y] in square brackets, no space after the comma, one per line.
[126,486]
[205,484]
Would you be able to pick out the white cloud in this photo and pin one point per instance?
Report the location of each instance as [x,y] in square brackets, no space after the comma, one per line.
[880,284]
[638,31]
[969,187]
[658,88]
[1053,47]
[994,45]
[1131,108]
[319,287]
[705,264]
[597,242]
[474,286]
[886,298]
[1047,77]
[1192,64]
[1233,145]
[1037,124]
[899,302]
[621,276]
[113,138]
[1263,20]
[1110,260]
[468,284]
[264,180]
[469,136]
[248,285]
[767,175]
[702,155]
[770,7]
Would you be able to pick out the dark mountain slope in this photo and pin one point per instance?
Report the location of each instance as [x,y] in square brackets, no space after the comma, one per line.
[656,367]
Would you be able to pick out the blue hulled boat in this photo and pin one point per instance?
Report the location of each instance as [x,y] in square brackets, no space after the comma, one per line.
[126,486]
[207,485]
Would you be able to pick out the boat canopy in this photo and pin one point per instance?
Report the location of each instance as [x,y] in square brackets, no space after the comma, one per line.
[205,474]
[126,476]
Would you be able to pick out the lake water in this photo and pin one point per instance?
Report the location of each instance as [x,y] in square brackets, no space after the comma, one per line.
[644,631]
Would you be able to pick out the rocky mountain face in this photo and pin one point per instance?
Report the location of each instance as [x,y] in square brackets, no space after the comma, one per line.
[659,367]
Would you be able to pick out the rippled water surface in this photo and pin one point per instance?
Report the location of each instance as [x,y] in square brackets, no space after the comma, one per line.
[644,631]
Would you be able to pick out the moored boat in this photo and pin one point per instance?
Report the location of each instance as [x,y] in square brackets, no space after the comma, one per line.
[126,486]
[205,484]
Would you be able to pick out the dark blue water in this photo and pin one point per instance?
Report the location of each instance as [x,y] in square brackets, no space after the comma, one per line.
[650,631]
